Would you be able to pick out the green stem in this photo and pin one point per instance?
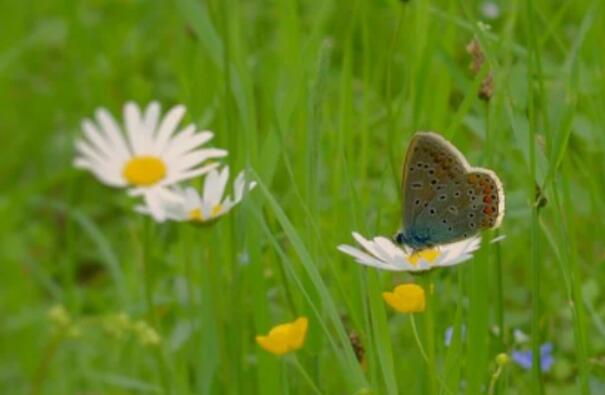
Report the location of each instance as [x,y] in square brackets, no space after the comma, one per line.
[417,338]
[147,266]
[533,67]
[305,375]
[188,257]
[429,332]
[426,357]
[489,138]
[47,357]
[492,383]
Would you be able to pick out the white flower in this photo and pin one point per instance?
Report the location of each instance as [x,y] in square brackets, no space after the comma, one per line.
[382,253]
[146,154]
[520,336]
[191,206]
[490,10]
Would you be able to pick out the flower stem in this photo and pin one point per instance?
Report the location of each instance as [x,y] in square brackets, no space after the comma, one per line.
[425,356]
[492,383]
[42,369]
[499,307]
[305,375]
[429,333]
[417,338]
[147,265]
[188,256]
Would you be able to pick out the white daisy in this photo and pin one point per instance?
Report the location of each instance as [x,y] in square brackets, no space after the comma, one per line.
[146,154]
[383,253]
[191,206]
[490,10]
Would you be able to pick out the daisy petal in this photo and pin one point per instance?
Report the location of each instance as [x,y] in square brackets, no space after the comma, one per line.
[113,133]
[186,175]
[151,117]
[100,172]
[135,128]
[154,205]
[214,185]
[194,158]
[185,142]
[98,141]
[187,204]
[167,128]
[364,258]
[383,253]
[368,245]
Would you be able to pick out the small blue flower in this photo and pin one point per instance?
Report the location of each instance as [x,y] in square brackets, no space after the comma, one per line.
[449,332]
[524,358]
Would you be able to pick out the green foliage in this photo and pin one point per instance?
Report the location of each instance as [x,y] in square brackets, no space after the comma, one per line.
[319,99]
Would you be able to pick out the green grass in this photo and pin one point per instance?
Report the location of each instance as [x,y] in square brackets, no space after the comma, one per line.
[319,99]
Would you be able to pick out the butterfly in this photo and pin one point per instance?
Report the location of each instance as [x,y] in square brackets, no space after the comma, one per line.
[444,198]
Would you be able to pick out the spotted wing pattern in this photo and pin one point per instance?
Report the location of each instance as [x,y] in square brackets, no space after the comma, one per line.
[444,197]
[429,166]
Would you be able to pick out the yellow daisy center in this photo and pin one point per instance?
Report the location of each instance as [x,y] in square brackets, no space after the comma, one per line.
[144,171]
[429,255]
[196,213]
[216,210]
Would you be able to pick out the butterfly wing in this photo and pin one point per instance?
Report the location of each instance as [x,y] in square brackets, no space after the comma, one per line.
[470,202]
[430,163]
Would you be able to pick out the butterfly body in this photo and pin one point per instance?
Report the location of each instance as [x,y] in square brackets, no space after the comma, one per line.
[445,199]
[418,239]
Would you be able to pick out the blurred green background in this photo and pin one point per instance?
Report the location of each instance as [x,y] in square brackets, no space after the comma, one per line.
[319,99]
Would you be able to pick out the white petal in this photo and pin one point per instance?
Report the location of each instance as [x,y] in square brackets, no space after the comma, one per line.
[100,172]
[359,254]
[186,141]
[499,238]
[112,131]
[389,256]
[105,170]
[455,249]
[167,128]
[182,176]
[206,208]
[402,262]
[194,158]
[179,143]
[214,185]
[99,142]
[239,186]
[87,152]
[391,250]
[135,128]
[170,197]
[365,259]
[192,199]
[457,260]
[151,118]
[142,209]
[367,245]
[154,205]
[422,266]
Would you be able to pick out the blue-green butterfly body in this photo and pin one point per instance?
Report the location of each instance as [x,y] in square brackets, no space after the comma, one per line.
[445,199]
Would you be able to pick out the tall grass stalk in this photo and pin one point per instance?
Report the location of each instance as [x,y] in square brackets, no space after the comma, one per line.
[534,70]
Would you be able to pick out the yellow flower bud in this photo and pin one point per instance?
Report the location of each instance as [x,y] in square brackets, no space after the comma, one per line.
[285,338]
[406,298]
